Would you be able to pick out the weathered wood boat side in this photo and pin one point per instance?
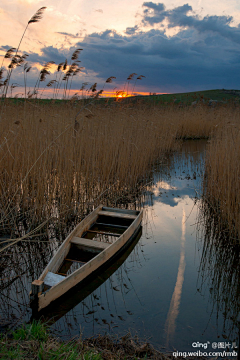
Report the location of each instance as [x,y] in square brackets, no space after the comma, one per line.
[91,238]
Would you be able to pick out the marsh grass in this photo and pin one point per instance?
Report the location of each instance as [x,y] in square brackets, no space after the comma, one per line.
[57,160]
[221,187]
[219,223]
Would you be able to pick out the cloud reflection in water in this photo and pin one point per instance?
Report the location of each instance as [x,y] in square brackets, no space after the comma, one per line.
[170,324]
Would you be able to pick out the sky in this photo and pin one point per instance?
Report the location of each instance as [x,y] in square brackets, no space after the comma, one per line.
[177,45]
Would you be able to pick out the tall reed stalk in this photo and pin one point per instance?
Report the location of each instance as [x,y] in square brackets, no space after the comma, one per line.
[17,59]
[222,177]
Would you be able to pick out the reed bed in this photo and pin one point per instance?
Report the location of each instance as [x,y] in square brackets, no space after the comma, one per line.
[57,160]
[221,185]
[219,270]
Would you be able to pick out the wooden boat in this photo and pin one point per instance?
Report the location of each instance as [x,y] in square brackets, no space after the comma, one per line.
[63,305]
[96,240]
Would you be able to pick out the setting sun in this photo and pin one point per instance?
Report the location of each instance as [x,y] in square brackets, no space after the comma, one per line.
[121,94]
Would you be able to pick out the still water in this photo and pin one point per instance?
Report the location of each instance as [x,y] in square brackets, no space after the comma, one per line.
[157,290]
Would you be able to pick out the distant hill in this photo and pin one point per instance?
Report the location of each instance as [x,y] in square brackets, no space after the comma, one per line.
[187,98]
[190,97]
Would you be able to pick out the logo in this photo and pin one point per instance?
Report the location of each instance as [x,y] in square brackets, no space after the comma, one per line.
[200,345]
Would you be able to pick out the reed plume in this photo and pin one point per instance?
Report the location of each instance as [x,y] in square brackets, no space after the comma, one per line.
[130,77]
[35,18]
[138,78]
[76,54]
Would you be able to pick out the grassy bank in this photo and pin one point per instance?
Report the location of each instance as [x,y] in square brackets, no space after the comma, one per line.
[33,341]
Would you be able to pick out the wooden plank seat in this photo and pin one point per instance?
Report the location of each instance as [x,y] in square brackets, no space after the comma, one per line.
[122,211]
[77,261]
[88,243]
[117,215]
[103,233]
[112,225]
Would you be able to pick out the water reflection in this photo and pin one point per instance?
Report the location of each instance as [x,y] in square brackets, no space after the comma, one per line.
[176,297]
[18,268]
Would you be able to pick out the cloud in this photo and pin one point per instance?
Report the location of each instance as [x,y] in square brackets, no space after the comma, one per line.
[159,13]
[189,60]
[202,54]
[5,48]
[181,16]
[156,7]
[68,34]
[131,30]
[48,53]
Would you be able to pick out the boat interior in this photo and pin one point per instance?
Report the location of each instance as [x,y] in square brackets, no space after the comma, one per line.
[105,230]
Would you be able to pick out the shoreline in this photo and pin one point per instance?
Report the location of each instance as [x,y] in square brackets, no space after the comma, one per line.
[35,341]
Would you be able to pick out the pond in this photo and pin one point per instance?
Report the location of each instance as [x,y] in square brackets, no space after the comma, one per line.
[160,288]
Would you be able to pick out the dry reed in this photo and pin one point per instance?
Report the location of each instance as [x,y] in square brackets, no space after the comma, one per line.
[222,176]
[51,168]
